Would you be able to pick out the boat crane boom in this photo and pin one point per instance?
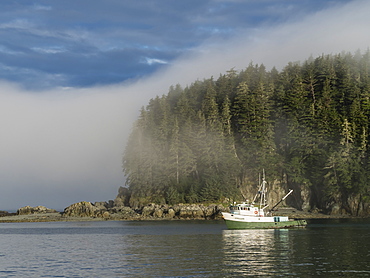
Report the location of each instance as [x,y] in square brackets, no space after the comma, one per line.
[290,191]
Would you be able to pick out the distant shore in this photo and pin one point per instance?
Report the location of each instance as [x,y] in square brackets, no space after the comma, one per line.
[60,217]
[45,217]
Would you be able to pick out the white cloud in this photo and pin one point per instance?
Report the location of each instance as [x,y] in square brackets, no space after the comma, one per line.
[63,146]
[19,23]
[151,61]
[331,31]
[49,50]
[41,7]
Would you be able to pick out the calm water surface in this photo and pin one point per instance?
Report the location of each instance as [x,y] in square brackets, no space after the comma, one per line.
[326,248]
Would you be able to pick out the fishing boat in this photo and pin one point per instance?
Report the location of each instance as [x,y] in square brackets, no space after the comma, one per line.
[256,216]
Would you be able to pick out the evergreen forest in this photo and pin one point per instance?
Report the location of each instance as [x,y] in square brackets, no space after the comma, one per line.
[306,125]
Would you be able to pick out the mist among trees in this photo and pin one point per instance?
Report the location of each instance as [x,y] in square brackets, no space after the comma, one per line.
[306,125]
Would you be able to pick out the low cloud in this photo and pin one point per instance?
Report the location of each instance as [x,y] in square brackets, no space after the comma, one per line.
[65,145]
[62,141]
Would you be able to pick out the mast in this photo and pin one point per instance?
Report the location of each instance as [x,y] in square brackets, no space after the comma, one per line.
[261,194]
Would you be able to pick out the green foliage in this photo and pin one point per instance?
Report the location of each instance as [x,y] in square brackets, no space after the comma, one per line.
[307,126]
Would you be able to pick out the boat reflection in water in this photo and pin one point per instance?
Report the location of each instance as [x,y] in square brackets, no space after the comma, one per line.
[256,252]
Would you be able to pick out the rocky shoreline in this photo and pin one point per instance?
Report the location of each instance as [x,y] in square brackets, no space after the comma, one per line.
[86,211]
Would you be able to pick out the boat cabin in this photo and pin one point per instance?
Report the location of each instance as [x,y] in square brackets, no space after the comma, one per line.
[246,209]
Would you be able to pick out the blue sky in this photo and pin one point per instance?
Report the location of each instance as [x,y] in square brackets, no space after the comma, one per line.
[68,43]
[74,74]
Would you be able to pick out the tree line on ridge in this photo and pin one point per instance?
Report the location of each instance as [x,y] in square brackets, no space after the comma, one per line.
[307,126]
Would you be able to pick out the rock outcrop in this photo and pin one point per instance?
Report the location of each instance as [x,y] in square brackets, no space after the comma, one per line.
[82,209]
[182,211]
[151,211]
[6,213]
[33,210]
[123,197]
[104,210]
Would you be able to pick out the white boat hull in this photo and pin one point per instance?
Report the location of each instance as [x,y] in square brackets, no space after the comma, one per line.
[237,221]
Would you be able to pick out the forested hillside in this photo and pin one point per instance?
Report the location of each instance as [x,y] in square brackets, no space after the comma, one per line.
[307,126]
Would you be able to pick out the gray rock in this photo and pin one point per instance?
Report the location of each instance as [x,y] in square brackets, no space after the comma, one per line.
[148,210]
[158,213]
[82,209]
[123,213]
[122,198]
[190,211]
[101,205]
[33,210]
[171,213]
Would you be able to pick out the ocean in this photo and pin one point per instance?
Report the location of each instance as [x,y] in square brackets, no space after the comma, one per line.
[326,248]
